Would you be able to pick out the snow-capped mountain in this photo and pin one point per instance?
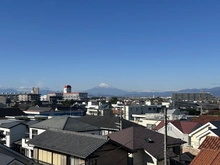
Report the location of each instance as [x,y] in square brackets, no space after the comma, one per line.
[105,89]
[104,85]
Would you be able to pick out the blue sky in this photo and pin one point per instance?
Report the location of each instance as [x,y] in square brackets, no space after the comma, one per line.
[152,45]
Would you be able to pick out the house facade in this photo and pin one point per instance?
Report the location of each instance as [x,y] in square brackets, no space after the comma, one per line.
[60,148]
[146,146]
[11,132]
[209,129]
[178,129]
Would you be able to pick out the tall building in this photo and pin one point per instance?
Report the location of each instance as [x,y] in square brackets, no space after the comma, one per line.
[202,96]
[35,90]
[67,89]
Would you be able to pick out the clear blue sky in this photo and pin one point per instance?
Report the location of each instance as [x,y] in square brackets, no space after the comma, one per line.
[153,45]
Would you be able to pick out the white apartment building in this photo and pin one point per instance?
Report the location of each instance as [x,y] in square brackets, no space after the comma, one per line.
[75,96]
[128,111]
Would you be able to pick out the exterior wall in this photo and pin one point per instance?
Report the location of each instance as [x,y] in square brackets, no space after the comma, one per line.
[150,159]
[139,158]
[174,132]
[44,156]
[39,131]
[191,96]
[51,157]
[29,148]
[191,150]
[14,134]
[138,109]
[75,96]
[167,104]
[28,97]
[17,133]
[6,132]
[147,123]
[194,141]
[115,157]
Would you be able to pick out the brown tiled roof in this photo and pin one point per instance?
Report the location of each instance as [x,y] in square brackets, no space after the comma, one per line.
[203,119]
[139,138]
[211,142]
[184,126]
[207,157]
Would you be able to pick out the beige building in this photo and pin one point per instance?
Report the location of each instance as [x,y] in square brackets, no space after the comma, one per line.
[198,136]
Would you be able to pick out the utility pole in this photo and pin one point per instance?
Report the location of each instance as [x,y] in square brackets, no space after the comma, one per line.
[120,118]
[165,136]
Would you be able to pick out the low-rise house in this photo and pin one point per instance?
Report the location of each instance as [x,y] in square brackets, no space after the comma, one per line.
[209,129]
[147,146]
[74,110]
[151,120]
[128,111]
[209,152]
[10,157]
[56,123]
[10,112]
[98,125]
[178,129]
[65,147]
[203,119]
[12,131]
[98,109]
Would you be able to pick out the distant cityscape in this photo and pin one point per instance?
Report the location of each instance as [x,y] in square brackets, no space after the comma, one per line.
[55,120]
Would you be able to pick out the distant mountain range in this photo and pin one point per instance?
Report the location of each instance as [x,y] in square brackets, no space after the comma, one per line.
[107,90]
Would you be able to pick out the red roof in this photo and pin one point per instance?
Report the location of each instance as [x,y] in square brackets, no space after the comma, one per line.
[184,126]
[207,157]
[211,142]
[161,124]
[203,119]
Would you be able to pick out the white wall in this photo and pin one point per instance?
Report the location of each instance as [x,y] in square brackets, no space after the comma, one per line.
[138,109]
[6,132]
[174,132]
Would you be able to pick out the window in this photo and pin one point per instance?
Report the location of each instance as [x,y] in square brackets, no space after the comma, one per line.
[34,132]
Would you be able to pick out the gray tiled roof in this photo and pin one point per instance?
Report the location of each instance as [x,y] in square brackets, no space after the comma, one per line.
[10,124]
[5,159]
[216,124]
[77,144]
[65,123]
[13,154]
[39,109]
[106,121]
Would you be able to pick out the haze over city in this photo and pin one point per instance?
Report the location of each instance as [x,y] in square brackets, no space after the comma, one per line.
[131,45]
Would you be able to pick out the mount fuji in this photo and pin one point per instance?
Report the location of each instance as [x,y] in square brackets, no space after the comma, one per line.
[107,90]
